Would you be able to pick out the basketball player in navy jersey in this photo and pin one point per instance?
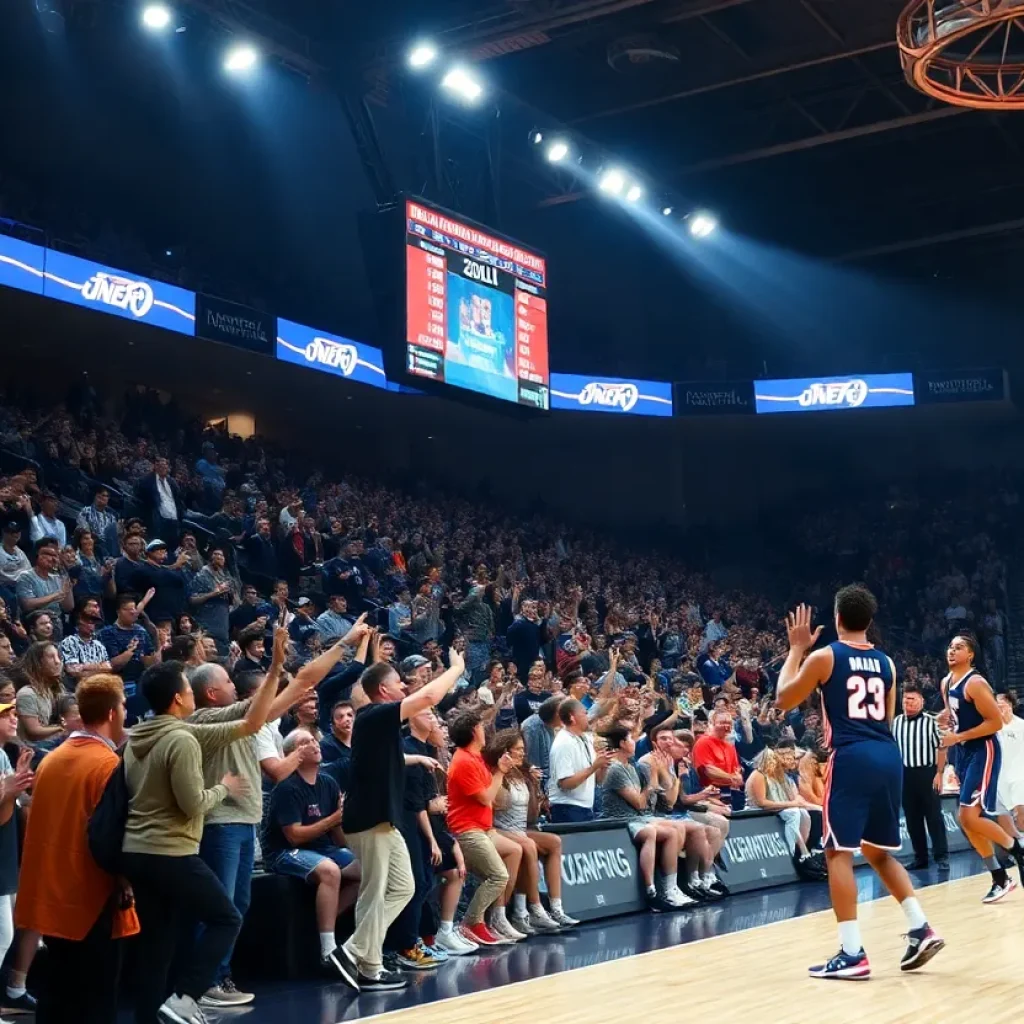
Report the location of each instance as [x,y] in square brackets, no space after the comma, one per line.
[973,717]
[864,778]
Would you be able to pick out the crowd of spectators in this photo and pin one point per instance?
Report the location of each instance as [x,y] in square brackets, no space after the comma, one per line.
[254,615]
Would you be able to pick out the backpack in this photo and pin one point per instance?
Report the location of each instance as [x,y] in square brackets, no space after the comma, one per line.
[107,822]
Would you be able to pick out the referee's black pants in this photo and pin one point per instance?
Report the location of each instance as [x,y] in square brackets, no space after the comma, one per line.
[921,805]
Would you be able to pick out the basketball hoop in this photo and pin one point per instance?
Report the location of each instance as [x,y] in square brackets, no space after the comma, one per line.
[969,53]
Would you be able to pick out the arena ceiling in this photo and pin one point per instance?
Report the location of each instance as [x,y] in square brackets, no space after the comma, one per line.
[790,118]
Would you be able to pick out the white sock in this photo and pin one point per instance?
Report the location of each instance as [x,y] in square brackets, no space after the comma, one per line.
[694,878]
[913,912]
[709,878]
[651,891]
[849,937]
[519,904]
[498,914]
[15,993]
[556,905]
[328,943]
[447,927]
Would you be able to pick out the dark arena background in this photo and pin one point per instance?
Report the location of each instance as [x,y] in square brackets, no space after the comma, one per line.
[557,349]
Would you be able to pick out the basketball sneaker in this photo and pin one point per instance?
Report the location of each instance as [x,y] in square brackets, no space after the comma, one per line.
[481,935]
[454,943]
[844,966]
[922,945]
[562,919]
[998,891]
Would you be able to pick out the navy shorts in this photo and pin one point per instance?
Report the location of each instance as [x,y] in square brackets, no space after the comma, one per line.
[863,790]
[978,769]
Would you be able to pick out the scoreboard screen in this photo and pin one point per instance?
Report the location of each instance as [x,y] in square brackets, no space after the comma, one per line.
[476,308]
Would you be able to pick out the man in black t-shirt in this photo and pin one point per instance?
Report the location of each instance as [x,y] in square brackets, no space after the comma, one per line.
[304,839]
[527,702]
[374,810]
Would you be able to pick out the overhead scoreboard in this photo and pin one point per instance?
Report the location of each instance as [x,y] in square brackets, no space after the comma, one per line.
[476,308]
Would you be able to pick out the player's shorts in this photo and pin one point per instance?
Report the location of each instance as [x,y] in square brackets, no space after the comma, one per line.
[863,790]
[978,769]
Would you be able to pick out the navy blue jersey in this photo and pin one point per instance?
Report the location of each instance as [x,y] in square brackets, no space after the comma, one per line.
[854,698]
[963,712]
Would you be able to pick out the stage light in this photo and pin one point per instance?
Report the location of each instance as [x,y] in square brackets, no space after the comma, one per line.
[462,83]
[612,181]
[241,58]
[422,55]
[156,17]
[666,211]
[702,224]
[558,151]
[536,137]
[635,194]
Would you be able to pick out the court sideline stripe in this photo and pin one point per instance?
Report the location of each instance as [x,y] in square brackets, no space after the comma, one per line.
[636,956]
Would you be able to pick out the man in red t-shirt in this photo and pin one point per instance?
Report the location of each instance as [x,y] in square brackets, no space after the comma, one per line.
[472,788]
[715,758]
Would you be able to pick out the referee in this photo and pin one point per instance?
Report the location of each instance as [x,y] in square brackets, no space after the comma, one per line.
[917,736]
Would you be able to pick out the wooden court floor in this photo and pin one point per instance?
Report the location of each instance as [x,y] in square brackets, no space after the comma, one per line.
[760,975]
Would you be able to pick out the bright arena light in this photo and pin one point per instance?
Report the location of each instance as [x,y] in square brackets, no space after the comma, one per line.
[422,55]
[703,224]
[240,58]
[463,84]
[612,181]
[156,17]
[558,151]
[536,137]
[635,194]
[666,211]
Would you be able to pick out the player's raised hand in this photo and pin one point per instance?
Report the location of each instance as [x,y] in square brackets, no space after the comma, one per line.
[798,628]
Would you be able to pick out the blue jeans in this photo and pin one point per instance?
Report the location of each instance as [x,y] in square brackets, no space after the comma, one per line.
[478,653]
[563,814]
[229,851]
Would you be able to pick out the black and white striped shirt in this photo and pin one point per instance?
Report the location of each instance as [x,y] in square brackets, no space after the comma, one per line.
[917,738]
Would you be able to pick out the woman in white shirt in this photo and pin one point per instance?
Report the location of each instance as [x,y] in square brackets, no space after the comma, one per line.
[515,806]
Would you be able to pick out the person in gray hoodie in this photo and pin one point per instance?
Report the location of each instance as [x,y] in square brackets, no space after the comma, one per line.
[163,763]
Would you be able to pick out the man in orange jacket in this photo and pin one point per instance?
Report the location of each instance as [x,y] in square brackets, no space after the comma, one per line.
[62,893]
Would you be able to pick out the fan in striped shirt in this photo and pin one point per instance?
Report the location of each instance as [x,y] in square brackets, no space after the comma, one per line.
[917,735]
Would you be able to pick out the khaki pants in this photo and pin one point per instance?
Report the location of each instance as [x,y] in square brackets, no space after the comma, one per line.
[385,886]
[484,861]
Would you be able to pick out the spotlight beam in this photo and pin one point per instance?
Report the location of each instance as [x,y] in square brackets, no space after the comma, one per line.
[557,151]
[279,42]
[422,55]
[156,17]
[240,58]
[461,82]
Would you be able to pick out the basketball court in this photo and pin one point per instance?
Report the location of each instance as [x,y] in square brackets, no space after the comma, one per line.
[745,956]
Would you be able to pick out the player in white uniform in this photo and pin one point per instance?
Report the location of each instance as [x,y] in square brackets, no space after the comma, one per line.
[1010,789]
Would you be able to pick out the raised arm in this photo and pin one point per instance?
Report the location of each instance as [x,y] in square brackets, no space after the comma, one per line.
[797,682]
[259,709]
[433,693]
[314,672]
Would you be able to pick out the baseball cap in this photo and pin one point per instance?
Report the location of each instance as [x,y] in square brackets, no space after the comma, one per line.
[12,527]
[155,544]
[4,708]
[302,602]
[409,665]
